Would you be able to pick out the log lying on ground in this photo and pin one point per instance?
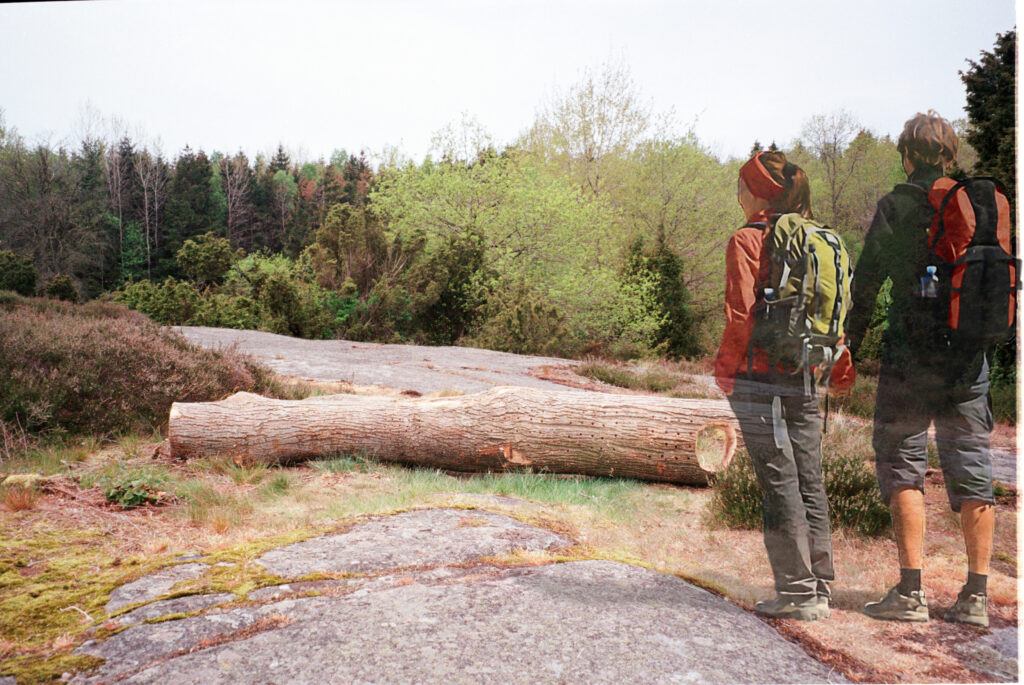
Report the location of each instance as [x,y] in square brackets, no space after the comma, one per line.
[506,428]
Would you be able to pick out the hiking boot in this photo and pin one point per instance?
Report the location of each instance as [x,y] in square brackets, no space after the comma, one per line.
[823,609]
[971,609]
[897,607]
[800,610]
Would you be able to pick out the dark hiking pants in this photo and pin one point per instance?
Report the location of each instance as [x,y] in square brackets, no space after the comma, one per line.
[782,431]
[954,396]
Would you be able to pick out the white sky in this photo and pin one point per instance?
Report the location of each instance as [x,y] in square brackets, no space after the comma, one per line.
[318,75]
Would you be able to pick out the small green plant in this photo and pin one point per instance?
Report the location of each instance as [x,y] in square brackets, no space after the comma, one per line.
[1004,403]
[1001,490]
[133,487]
[279,484]
[851,488]
[343,464]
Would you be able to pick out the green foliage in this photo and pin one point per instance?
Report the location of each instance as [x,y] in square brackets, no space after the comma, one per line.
[205,258]
[274,294]
[172,302]
[191,208]
[853,496]
[871,345]
[133,487]
[991,85]
[660,277]
[1004,403]
[531,227]
[17,273]
[349,246]
[133,253]
[280,295]
[675,193]
[61,287]
[518,318]
[851,488]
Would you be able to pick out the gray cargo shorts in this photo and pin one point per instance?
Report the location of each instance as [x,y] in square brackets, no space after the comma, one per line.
[912,398]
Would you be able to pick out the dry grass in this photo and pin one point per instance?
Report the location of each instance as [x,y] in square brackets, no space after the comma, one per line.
[17,498]
[673,379]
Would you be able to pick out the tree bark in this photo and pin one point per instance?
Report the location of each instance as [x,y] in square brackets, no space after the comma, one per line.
[507,428]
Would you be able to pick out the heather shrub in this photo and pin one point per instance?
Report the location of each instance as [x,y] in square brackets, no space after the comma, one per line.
[853,497]
[860,400]
[101,369]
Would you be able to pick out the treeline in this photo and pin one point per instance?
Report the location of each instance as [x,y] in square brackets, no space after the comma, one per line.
[601,229]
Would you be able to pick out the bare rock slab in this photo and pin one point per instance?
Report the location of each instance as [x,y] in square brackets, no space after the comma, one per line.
[430,537]
[994,654]
[140,646]
[591,621]
[166,607]
[152,586]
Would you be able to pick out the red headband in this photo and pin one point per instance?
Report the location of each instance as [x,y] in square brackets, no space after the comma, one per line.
[758,181]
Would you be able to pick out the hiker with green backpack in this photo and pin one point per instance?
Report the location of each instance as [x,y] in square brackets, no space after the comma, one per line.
[787,292]
[946,247]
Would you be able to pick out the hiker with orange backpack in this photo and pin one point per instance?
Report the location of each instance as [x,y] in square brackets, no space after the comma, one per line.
[946,248]
[775,340]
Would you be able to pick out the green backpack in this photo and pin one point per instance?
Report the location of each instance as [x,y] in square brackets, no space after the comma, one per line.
[801,311]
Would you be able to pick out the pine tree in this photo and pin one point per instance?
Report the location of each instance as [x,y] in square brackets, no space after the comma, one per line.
[991,85]
[191,209]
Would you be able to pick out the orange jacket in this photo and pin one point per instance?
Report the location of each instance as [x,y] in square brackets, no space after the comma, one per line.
[746,267]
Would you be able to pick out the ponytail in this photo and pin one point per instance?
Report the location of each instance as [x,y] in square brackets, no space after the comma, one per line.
[796,189]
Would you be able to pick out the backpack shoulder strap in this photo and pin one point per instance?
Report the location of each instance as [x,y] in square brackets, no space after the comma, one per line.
[911,190]
[941,211]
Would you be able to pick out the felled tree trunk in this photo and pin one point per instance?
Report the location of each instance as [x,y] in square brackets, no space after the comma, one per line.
[506,428]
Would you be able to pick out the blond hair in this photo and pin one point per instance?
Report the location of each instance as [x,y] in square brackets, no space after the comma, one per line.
[928,140]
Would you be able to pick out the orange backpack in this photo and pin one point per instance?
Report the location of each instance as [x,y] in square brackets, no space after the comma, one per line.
[974,277]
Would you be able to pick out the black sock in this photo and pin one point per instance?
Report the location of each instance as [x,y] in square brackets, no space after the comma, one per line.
[910,581]
[977,584]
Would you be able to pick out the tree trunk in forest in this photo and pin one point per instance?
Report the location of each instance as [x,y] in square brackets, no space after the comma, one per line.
[506,428]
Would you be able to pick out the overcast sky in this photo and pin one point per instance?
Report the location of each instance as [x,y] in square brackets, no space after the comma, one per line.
[317,76]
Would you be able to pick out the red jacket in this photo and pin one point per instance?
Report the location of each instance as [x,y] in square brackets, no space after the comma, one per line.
[746,267]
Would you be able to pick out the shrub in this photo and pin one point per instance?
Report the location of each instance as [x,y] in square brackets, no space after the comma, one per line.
[133,487]
[851,488]
[99,368]
[174,303]
[860,401]
[205,258]
[1004,403]
[17,273]
[518,318]
[677,332]
[19,497]
[61,287]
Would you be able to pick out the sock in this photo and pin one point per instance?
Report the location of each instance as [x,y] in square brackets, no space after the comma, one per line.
[910,581]
[977,584]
